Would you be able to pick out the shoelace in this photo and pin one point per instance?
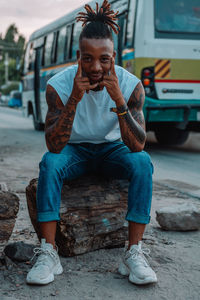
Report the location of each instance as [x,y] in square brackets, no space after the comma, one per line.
[140,254]
[38,251]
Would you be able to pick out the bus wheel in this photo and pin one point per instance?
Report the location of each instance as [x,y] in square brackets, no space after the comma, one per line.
[37,125]
[169,135]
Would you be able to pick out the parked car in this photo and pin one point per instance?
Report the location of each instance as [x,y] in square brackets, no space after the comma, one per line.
[15,99]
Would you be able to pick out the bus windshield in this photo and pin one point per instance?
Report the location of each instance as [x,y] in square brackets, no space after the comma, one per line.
[177,16]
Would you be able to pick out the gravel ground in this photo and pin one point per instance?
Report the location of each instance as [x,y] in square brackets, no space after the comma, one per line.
[175,256]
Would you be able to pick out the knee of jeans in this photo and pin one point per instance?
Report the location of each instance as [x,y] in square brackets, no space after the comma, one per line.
[51,162]
[141,164]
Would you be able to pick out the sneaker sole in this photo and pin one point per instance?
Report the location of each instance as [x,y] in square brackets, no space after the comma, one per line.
[44,281]
[57,271]
[123,270]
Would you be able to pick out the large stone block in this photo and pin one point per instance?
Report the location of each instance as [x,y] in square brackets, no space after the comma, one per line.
[92,214]
[9,206]
[182,217]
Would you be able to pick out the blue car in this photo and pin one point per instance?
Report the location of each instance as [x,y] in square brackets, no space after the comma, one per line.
[15,99]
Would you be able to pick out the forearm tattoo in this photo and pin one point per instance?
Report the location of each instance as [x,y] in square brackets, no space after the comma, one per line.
[59,121]
[133,120]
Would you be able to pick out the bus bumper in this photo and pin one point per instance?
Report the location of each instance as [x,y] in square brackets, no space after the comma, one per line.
[185,114]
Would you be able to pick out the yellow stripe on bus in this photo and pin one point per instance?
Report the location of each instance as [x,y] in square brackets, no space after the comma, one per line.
[54,67]
[162,68]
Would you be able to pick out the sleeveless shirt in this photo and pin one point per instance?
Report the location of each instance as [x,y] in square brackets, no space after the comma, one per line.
[93,122]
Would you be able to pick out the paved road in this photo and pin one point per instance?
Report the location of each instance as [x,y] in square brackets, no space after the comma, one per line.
[177,167]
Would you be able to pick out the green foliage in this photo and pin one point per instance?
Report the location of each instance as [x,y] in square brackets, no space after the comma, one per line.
[13,43]
[11,87]
[11,33]
[14,74]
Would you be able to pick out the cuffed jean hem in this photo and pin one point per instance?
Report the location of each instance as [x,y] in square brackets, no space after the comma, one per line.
[138,218]
[48,216]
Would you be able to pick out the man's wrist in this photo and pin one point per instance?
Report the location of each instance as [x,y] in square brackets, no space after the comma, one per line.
[121,109]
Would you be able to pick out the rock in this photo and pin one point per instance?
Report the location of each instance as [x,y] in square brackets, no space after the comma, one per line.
[7,262]
[9,206]
[19,251]
[92,214]
[3,187]
[184,217]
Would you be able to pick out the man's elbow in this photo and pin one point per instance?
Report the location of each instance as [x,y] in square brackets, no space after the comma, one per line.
[51,145]
[137,148]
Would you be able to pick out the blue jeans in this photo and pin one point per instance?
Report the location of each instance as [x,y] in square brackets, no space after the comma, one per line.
[113,160]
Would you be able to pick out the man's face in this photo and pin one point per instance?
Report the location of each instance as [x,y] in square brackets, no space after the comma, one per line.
[96,57]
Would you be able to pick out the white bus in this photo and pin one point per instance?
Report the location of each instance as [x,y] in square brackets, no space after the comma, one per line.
[159,42]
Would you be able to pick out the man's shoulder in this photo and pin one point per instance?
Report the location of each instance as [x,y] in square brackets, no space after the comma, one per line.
[127,81]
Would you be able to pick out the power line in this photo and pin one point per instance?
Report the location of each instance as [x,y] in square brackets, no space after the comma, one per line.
[8,46]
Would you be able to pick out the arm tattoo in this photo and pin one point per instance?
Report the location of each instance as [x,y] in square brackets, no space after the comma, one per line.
[133,120]
[134,127]
[138,97]
[59,121]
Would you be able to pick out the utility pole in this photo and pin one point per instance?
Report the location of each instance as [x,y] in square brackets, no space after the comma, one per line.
[6,63]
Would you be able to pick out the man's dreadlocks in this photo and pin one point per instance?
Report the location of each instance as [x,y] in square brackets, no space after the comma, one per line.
[97,24]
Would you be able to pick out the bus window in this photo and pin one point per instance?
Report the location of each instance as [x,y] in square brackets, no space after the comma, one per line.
[75,42]
[43,52]
[27,57]
[68,48]
[54,47]
[177,19]
[61,45]
[130,23]
[48,49]
[31,59]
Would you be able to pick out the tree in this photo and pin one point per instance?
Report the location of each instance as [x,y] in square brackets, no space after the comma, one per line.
[11,33]
[13,43]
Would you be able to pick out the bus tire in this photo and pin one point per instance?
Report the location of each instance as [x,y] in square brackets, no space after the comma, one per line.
[37,125]
[169,135]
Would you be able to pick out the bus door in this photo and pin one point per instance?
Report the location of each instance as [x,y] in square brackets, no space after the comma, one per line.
[37,116]
[37,83]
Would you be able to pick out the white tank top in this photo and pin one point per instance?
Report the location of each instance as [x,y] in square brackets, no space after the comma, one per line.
[93,122]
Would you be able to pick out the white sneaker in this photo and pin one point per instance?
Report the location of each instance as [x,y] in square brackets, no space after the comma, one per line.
[135,266]
[47,265]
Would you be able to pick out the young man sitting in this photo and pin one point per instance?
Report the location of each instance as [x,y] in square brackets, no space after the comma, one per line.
[95,123]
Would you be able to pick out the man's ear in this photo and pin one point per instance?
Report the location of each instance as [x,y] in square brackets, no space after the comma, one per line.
[78,54]
[114,53]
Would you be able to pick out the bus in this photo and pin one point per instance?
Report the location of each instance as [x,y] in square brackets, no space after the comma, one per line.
[159,42]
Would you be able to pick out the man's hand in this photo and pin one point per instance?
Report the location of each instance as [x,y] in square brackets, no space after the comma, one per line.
[112,85]
[81,84]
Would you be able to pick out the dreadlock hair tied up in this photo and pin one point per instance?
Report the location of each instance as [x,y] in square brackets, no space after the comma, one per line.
[98,24]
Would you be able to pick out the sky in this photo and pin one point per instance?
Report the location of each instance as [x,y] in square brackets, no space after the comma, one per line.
[30,15]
